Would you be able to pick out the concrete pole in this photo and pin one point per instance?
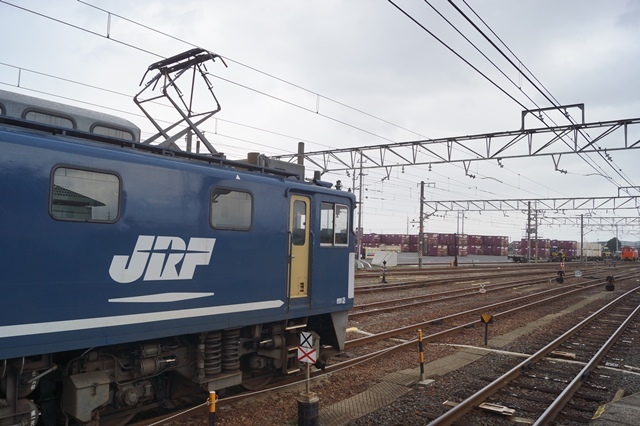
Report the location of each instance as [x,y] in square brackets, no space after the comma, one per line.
[421,226]
[361,204]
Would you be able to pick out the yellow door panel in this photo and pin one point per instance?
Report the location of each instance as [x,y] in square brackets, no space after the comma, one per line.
[299,221]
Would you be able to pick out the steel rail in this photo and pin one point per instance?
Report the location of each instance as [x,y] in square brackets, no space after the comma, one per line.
[561,401]
[464,407]
[415,327]
[448,295]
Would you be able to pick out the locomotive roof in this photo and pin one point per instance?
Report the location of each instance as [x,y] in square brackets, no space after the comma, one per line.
[17,105]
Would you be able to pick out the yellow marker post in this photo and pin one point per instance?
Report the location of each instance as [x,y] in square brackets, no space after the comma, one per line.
[421,351]
[213,398]
[486,319]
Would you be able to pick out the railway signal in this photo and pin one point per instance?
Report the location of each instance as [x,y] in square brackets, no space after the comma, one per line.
[486,319]
[308,401]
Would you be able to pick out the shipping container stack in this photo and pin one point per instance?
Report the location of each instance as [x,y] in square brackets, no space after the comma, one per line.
[440,244]
[540,248]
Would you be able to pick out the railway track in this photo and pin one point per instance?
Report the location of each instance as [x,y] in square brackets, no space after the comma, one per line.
[523,302]
[463,268]
[477,285]
[458,277]
[528,385]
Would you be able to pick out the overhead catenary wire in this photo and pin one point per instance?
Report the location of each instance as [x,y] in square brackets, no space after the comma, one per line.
[546,93]
[595,167]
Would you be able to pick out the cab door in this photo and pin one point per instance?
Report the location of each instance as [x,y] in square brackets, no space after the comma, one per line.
[299,221]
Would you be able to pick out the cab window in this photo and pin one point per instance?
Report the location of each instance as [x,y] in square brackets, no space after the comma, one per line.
[334,224]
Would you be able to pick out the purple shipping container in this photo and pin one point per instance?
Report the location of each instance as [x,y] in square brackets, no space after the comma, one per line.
[487,240]
[451,250]
[371,238]
[445,239]
[475,240]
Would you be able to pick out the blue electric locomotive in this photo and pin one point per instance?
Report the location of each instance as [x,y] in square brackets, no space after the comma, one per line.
[130,272]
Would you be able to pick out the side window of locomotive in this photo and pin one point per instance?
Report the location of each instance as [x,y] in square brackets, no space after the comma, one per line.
[84,195]
[342,225]
[299,229]
[231,209]
[326,223]
[334,224]
[46,118]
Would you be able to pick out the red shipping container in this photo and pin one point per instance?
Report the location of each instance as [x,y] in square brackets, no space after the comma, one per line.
[432,238]
[445,239]
[451,250]
[475,240]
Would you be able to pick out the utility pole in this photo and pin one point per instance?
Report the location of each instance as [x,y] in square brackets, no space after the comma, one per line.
[582,238]
[421,226]
[535,230]
[529,231]
[360,211]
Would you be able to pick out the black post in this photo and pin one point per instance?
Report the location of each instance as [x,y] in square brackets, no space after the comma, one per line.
[421,350]
[308,409]
[384,271]
[455,248]
[486,333]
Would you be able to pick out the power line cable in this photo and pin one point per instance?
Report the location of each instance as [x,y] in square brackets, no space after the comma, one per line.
[552,100]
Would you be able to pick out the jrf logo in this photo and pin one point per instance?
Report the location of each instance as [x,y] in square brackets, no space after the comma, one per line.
[158,259]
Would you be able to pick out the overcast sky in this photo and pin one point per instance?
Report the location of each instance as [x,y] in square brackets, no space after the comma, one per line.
[354,73]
